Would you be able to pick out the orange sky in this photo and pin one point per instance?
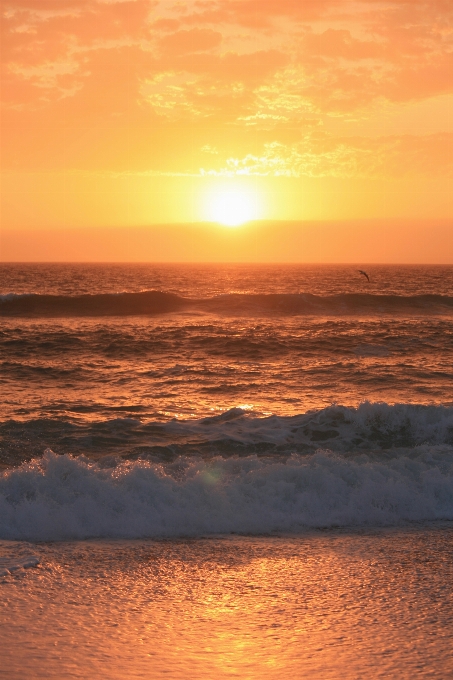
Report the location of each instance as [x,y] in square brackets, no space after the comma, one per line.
[125,114]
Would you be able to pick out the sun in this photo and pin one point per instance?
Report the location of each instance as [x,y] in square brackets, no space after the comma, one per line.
[232,205]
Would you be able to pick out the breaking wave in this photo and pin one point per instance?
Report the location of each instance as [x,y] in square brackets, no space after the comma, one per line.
[157,302]
[61,497]
[379,465]
[368,428]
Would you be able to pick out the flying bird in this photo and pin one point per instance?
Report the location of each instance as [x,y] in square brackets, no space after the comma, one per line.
[364,274]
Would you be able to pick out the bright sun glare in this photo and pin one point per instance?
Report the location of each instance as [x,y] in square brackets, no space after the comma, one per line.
[232,206]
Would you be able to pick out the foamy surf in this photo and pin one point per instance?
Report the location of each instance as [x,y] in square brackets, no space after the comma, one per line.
[16,557]
[63,497]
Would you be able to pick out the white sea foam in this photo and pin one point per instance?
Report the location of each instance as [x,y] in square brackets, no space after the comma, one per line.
[15,558]
[378,425]
[61,497]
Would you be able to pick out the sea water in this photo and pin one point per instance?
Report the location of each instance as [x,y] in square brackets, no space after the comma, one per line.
[221,434]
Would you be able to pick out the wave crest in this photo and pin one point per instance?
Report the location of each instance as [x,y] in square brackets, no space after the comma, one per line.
[61,497]
[157,302]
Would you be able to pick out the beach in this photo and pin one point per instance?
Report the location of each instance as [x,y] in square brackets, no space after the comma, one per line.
[331,604]
[226,471]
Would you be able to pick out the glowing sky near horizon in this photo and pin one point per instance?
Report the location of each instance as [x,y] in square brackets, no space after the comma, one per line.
[134,112]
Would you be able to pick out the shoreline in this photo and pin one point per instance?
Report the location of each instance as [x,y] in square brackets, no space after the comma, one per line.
[332,604]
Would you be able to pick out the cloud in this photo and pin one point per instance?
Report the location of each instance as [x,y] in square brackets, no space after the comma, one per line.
[348,54]
[321,155]
[239,67]
[252,14]
[193,40]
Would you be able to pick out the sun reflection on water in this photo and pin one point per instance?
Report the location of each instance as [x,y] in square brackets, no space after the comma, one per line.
[323,606]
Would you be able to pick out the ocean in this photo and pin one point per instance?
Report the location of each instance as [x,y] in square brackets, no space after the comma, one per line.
[251,464]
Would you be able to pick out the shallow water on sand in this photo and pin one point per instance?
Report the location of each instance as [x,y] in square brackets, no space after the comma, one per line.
[334,604]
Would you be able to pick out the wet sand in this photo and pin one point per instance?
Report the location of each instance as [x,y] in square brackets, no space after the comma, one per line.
[334,604]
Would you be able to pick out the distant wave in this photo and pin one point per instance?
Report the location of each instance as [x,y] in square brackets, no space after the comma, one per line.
[105,304]
[234,304]
[371,466]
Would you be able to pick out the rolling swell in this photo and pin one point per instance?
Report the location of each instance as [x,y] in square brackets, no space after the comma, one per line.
[234,304]
[104,304]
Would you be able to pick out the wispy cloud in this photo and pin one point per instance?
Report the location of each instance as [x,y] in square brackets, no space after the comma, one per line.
[320,155]
[275,68]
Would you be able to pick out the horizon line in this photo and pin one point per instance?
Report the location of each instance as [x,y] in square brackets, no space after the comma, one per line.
[231,262]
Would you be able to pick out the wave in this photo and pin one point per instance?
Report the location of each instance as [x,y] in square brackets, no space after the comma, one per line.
[105,304]
[62,498]
[370,428]
[235,304]
[374,465]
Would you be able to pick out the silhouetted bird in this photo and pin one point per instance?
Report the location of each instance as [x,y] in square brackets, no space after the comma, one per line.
[364,274]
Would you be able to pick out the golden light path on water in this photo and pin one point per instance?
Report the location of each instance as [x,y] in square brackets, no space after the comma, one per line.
[325,605]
